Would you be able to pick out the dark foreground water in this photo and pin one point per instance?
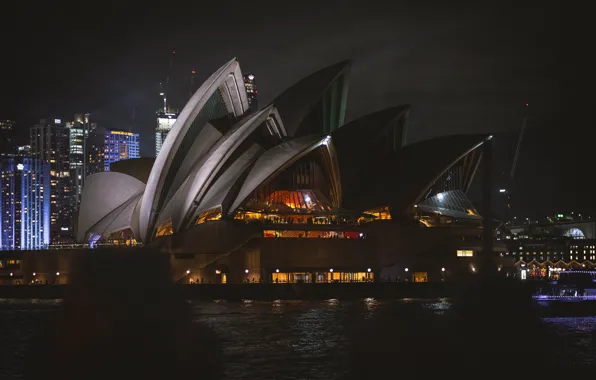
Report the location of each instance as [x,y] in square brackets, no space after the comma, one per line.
[280,339]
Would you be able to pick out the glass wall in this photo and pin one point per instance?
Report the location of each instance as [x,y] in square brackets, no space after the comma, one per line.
[313,234]
[321,277]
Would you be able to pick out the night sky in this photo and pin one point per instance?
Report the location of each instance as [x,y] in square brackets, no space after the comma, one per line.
[462,68]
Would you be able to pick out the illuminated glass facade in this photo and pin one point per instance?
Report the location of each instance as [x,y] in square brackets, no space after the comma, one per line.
[76,156]
[50,142]
[119,145]
[251,92]
[165,121]
[25,203]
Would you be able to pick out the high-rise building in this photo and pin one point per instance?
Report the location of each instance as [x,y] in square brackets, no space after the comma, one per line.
[251,92]
[7,137]
[24,203]
[50,142]
[95,150]
[165,121]
[79,130]
[119,145]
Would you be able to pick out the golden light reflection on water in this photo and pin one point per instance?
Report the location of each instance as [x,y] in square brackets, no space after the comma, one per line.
[333,302]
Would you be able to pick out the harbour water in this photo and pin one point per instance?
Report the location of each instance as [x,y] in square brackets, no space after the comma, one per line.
[281,339]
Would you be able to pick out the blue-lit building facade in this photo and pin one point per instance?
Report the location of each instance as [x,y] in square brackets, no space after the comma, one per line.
[119,145]
[25,203]
[50,142]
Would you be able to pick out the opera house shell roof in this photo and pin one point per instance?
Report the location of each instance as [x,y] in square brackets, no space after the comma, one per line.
[220,159]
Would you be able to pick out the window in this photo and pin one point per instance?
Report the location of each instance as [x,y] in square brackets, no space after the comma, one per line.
[465,253]
[165,229]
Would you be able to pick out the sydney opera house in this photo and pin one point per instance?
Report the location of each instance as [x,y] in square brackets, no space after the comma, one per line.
[289,193]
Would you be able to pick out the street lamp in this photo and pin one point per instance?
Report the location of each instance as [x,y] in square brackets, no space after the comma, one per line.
[442,269]
[369,270]
[188,271]
[57,273]
[246,271]
[277,271]
[406,269]
[331,270]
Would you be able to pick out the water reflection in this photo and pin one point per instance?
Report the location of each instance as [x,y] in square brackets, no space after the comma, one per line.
[333,302]
[371,306]
[285,339]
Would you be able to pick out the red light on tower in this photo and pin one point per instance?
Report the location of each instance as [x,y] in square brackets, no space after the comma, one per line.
[527,105]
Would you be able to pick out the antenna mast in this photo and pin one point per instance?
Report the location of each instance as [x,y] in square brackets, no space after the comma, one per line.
[191,84]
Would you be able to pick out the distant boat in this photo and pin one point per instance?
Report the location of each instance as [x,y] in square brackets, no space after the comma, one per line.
[573,294]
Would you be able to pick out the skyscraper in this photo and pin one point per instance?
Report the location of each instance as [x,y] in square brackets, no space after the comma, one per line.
[50,142]
[79,130]
[95,145]
[7,138]
[25,203]
[165,121]
[119,145]
[251,92]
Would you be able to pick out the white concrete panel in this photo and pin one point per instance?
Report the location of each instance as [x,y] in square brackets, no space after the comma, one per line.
[164,159]
[206,139]
[206,170]
[222,187]
[118,219]
[103,193]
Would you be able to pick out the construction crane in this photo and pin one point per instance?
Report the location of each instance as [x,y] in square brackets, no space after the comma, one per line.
[509,190]
[164,84]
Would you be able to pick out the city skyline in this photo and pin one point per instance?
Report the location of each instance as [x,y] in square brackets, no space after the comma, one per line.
[462,70]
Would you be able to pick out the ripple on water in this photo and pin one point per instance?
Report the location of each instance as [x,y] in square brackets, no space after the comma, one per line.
[279,339]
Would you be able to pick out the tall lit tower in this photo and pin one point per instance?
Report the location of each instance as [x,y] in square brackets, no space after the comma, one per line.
[251,92]
[165,121]
[25,203]
[50,142]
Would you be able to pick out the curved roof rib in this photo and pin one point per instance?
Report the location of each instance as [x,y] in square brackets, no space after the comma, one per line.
[415,168]
[222,192]
[207,169]
[278,158]
[422,172]
[208,136]
[97,203]
[118,219]
[372,129]
[227,85]
[316,102]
